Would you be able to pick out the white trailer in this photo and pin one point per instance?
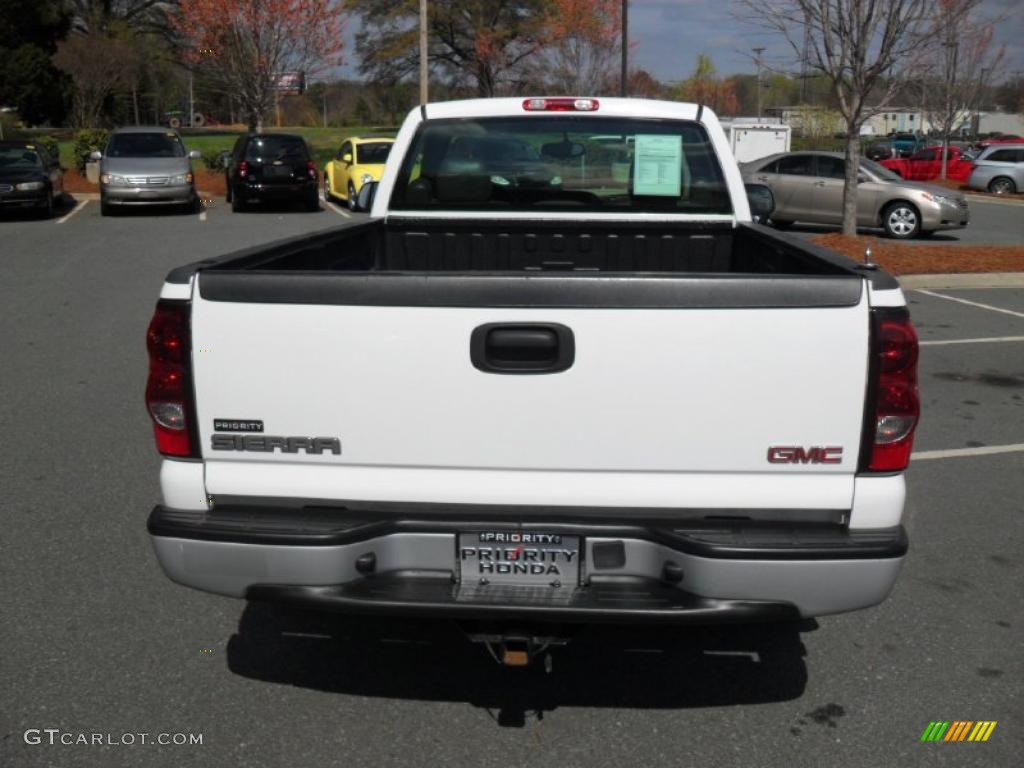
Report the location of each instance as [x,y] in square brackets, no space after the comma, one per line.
[752,139]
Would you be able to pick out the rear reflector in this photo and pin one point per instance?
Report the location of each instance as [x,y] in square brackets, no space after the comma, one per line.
[561,105]
[893,419]
[169,389]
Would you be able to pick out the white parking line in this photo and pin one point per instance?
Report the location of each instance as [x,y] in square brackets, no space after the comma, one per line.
[983,450]
[970,303]
[970,341]
[72,212]
[337,210]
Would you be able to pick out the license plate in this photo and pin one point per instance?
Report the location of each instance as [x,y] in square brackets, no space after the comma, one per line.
[277,171]
[524,558]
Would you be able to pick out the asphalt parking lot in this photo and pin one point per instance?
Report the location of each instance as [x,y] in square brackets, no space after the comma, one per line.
[993,222]
[97,640]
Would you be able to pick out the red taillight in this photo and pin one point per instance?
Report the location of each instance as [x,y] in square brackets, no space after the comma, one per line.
[890,430]
[311,166]
[561,105]
[169,389]
[243,169]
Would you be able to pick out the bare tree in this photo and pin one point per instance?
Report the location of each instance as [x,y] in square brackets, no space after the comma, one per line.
[954,75]
[584,44]
[99,64]
[487,43]
[247,46]
[864,48]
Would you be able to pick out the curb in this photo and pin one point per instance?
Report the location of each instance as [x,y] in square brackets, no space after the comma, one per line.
[964,280]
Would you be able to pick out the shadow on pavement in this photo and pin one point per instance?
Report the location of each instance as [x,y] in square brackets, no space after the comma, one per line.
[607,666]
[286,206]
[61,206]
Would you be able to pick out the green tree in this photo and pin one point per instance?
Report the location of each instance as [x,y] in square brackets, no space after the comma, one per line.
[29,32]
[705,87]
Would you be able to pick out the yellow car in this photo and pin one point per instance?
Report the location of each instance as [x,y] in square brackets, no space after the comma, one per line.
[360,159]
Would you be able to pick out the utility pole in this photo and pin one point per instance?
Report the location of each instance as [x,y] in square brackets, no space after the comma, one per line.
[191,102]
[423,52]
[805,55]
[757,55]
[624,75]
[952,47]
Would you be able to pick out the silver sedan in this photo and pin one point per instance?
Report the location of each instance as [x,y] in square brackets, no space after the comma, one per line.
[808,187]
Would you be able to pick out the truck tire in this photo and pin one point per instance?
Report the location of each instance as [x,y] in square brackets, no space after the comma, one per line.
[174,122]
[105,208]
[237,204]
[901,220]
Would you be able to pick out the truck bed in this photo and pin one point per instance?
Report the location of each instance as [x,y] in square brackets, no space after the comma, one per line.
[536,246]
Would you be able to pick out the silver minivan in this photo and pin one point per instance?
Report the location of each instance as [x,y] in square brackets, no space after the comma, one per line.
[146,166]
[999,169]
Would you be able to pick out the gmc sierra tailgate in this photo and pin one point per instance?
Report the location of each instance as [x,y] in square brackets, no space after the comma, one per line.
[682,392]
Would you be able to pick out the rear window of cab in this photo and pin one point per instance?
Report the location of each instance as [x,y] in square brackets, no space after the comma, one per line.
[562,162]
[270,148]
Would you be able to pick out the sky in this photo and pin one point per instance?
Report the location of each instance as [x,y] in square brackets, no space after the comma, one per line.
[668,35]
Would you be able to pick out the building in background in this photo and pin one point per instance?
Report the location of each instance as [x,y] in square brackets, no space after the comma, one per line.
[1000,122]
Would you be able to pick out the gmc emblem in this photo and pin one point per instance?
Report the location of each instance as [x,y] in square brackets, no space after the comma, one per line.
[796,454]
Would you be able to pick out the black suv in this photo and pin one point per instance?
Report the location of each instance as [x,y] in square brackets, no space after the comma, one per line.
[265,167]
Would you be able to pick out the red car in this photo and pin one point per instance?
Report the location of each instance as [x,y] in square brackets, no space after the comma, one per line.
[1004,139]
[926,164]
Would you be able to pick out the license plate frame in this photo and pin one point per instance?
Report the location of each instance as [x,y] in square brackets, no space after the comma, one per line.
[523,558]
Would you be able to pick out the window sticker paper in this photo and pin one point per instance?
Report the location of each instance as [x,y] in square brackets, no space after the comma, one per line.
[658,160]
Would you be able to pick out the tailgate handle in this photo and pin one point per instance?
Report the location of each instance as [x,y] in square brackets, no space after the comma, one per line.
[522,348]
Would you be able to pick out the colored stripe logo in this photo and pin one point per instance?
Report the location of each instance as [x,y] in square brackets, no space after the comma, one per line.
[958,730]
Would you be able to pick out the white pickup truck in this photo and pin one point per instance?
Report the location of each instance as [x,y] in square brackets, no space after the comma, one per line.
[558,376]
